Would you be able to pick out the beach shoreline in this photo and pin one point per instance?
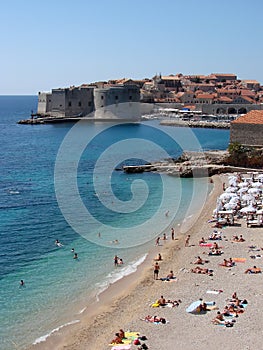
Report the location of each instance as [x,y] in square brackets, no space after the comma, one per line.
[121,289]
[128,300]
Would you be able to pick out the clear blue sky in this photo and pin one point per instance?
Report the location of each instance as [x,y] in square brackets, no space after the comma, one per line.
[58,43]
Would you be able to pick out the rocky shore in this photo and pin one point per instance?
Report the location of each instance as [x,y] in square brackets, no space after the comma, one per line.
[190,164]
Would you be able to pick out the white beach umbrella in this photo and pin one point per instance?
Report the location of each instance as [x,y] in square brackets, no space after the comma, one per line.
[243,184]
[225,196]
[242,190]
[232,182]
[231,189]
[257,184]
[248,209]
[194,308]
[234,200]
[232,177]
[229,206]
[247,197]
[254,190]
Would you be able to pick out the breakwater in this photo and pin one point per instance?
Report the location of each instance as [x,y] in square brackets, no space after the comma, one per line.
[196,123]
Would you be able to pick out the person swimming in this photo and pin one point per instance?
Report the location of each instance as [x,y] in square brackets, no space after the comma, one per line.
[58,244]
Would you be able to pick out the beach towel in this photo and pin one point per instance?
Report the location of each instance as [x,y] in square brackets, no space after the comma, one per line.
[121,347]
[240,260]
[206,245]
[132,335]
[214,291]
[156,304]
[124,342]
[129,337]
[165,279]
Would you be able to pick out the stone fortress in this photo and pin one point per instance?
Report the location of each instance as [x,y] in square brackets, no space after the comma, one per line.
[120,102]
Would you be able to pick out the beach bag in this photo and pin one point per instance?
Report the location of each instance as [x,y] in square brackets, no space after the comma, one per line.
[143,337]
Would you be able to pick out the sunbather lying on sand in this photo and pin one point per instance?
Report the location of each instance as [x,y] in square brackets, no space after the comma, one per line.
[154,319]
[169,277]
[215,236]
[238,239]
[219,319]
[200,261]
[198,269]
[215,252]
[173,303]
[253,269]
[227,263]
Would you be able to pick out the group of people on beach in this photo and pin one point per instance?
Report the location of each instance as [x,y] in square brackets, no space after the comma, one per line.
[234,308]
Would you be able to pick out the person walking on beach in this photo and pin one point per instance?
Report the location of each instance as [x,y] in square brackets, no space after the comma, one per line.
[156,270]
[187,241]
[157,242]
[172,233]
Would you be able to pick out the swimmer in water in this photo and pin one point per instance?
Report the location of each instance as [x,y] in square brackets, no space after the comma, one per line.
[58,244]
[75,256]
[22,283]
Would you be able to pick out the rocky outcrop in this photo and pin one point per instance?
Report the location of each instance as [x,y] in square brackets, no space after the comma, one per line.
[189,164]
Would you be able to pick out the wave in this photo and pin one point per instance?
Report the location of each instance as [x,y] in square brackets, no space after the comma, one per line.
[119,273]
[44,337]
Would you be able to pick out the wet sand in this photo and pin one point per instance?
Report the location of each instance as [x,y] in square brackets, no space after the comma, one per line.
[127,301]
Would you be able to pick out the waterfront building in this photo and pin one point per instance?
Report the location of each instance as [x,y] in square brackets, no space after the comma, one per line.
[248,129]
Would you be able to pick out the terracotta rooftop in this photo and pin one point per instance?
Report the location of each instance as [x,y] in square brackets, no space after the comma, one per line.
[170,77]
[206,96]
[252,117]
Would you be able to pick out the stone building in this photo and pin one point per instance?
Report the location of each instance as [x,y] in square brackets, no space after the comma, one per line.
[66,102]
[248,129]
[87,101]
[117,102]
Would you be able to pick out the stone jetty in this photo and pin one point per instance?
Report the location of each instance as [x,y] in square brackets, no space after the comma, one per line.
[196,123]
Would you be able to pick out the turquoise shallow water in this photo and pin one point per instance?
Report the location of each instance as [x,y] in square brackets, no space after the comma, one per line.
[37,195]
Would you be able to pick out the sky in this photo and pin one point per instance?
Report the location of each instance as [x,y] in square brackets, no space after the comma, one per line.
[59,43]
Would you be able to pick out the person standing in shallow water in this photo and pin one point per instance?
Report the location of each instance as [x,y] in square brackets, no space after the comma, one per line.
[116,259]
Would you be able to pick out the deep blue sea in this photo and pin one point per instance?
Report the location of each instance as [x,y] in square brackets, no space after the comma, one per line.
[59,182]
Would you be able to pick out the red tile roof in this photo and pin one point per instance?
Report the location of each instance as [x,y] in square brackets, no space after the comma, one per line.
[252,117]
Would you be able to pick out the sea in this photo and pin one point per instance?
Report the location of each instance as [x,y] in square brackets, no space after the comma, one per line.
[64,182]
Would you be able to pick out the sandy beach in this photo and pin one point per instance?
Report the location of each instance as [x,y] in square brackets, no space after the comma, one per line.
[128,301]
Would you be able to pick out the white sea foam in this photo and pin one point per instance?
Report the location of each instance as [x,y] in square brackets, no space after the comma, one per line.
[44,337]
[82,310]
[119,273]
